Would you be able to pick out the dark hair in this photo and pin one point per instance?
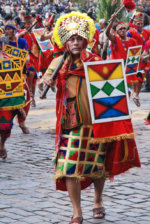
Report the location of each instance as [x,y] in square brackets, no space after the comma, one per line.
[18,20]
[8,16]
[146,19]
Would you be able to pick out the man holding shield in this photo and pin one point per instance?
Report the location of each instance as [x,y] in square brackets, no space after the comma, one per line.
[74,130]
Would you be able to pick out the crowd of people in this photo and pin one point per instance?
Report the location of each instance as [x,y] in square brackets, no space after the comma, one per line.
[79,160]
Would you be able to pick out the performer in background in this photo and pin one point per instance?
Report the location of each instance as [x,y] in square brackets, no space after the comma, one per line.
[141,35]
[8,115]
[119,48]
[32,65]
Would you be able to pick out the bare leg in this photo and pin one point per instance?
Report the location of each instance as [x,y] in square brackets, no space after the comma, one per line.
[74,190]
[136,91]
[139,86]
[31,88]
[3,152]
[98,201]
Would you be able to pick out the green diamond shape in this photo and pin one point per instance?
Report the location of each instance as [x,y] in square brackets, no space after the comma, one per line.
[128,60]
[121,87]
[94,90]
[108,88]
[133,59]
[137,59]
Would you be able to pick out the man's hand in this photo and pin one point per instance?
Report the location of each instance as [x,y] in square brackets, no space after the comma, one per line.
[48,81]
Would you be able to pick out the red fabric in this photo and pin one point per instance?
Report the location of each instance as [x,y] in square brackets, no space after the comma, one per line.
[146,66]
[118,52]
[61,184]
[45,59]
[96,39]
[131,78]
[142,37]
[26,108]
[33,61]
[110,129]
[117,49]
[30,38]
[121,156]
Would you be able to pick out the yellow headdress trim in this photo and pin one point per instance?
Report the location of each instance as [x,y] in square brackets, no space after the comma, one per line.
[70,29]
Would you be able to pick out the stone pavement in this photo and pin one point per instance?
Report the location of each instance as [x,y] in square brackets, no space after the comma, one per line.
[27,193]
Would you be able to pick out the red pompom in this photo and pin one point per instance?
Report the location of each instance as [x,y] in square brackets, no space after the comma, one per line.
[129,4]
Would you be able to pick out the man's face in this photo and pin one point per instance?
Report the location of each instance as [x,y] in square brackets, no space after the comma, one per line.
[101,25]
[75,44]
[27,25]
[9,32]
[122,32]
[139,25]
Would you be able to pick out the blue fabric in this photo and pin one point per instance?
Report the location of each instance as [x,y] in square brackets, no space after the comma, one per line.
[22,43]
[97,26]
[128,34]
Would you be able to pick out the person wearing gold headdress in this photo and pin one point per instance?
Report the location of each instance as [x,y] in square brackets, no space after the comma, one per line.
[74,129]
[79,162]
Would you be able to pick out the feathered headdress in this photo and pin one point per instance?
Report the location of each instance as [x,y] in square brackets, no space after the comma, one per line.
[72,24]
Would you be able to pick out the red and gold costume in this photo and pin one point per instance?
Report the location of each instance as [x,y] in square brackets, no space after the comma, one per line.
[76,155]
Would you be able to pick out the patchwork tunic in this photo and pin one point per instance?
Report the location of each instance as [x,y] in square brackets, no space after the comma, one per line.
[77,156]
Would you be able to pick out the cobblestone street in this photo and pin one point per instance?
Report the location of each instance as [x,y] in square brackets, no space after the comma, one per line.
[27,191]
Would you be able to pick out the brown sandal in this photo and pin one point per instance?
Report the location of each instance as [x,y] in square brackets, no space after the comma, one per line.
[77,220]
[99,213]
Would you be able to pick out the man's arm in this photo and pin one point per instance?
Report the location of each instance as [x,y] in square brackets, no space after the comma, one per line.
[108,28]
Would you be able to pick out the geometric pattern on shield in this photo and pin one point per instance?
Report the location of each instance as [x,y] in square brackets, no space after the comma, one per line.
[44,45]
[11,83]
[107,91]
[77,156]
[133,58]
[16,52]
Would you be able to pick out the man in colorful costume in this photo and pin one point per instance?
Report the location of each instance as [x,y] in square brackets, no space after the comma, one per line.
[141,35]
[33,49]
[120,44]
[7,116]
[75,165]
[145,58]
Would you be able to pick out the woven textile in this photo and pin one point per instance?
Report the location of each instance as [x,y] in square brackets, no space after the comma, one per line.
[15,52]
[77,157]
[133,58]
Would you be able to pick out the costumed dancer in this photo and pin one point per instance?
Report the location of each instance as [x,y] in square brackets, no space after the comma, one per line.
[7,116]
[75,165]
[32,65]
[141,35]
[145,59]
[10,32]
[47,56]
[119,48]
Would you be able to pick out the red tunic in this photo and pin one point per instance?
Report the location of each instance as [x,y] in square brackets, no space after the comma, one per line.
[120,48]
[141,38]
[119,51]
[33,50]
